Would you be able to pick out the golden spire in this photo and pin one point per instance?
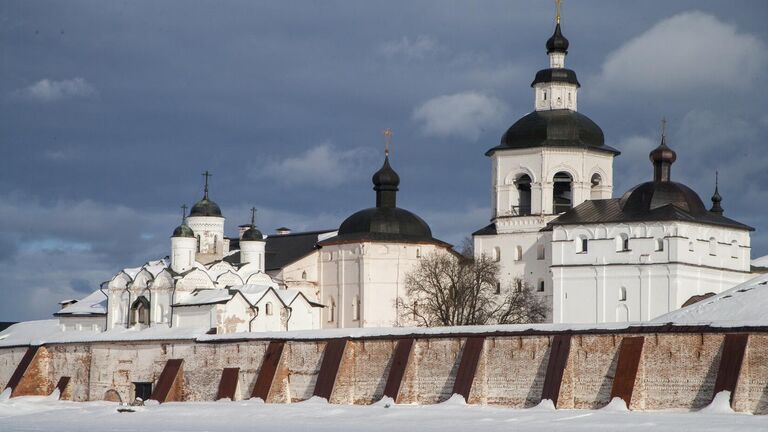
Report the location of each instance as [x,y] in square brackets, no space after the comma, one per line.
[557,8]
[387,139]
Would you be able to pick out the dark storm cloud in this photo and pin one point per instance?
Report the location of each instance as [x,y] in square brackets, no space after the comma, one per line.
[109,111]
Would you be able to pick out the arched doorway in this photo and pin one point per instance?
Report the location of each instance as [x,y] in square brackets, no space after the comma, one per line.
[523,184]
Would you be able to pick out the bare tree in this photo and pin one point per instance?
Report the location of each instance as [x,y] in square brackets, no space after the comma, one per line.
[447,289]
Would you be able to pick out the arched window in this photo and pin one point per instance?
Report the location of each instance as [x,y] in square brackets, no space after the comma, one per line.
[545,95]
[712,246]
[140,311]
[418,252]
[518,285]
[523,184]
[622,242]
[541,285]
[268,308]
[304,275]
[496,254]
[594,190]
[498,288]
[623,294]
[540,252]
[562,198]
[690,246]
[215,243]
[198,243]
[582,244]
[518,253]
[659,245]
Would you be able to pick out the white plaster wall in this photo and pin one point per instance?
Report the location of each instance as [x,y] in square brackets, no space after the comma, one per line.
[9,360]
[374,273]
[293,276]
[587,286]
[541,164]
[274,322]
[211,232]
[558,96]
[77,323]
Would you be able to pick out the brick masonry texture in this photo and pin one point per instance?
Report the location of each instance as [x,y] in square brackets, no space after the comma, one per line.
[677,370]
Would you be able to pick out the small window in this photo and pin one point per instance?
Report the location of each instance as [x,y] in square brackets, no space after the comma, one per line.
[734,249]
[497,254]
[331,310]
[268,308]
[623,294]
[540,252]
[622,243]
[541,286]
[304,275]
[198,242]
[690,246]
[582,244]
[498,288]
[518,253]
[215,243]
[712,246]
[545,95]
[418,252]
[659,245]
[518,285]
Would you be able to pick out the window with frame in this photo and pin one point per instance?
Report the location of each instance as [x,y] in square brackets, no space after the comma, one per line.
[268,308]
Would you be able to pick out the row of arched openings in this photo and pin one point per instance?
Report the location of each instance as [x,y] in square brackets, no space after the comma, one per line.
[562,192]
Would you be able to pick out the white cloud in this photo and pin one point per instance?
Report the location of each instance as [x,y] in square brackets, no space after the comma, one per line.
[47,90]
[688,51]
[464,114]
[417,48]
[322,166]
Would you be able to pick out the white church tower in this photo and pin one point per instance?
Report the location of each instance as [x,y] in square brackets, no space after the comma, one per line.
[207,222]
[183,246]
[549,161]
[253,245]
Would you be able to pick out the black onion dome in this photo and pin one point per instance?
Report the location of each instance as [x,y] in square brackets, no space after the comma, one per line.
[557,42]
[654,194]
[252,234]
[385,223]
[205,207]
[554,128]
[662,153]
[183,230]
[385,178]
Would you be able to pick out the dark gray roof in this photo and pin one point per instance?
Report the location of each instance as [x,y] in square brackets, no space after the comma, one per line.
[183,230]
[554,128]
[282,250]
[557,42]
[252,234]
[384,224]
[556,75]
[205,207]
[612,211]
[486,230]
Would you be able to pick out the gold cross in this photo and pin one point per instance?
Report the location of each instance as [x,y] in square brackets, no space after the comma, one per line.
[387,140]
[557,7]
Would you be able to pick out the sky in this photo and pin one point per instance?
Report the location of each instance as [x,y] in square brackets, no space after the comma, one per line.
[110,112]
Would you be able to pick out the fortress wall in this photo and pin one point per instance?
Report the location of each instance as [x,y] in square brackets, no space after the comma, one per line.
[9,359]
[363,372]
[511,371]
[677,370]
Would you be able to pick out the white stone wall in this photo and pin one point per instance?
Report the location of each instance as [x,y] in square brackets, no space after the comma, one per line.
[657,273]
[555,95]
[371,275]
[210,232]
[79,323]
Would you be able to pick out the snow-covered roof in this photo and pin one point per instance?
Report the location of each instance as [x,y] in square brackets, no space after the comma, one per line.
[760,262]
[204,296]
[747,302]
[94,304]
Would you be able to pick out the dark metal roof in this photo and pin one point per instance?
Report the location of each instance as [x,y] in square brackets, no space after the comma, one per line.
[384,224]
[556,75]
[282,250]
[554,128]
[252,234]
[612,211]
[557,42]
[205,207]
[183,230]
[486,230]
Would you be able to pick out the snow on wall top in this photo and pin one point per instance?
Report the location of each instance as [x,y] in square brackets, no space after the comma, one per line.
[760,262]
[744,302]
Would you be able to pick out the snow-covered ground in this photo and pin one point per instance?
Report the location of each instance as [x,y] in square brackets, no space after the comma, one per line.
[44,414]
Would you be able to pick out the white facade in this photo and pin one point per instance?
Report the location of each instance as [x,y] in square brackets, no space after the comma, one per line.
[209,231]
[638,271]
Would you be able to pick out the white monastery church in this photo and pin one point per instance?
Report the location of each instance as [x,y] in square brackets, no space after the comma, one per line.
[555,226]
